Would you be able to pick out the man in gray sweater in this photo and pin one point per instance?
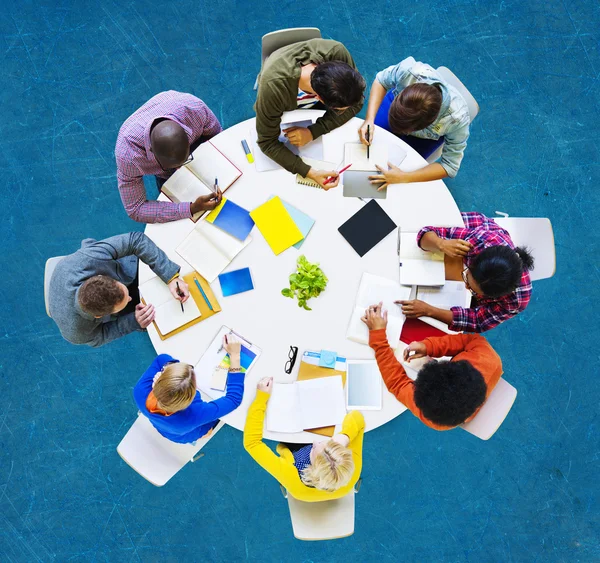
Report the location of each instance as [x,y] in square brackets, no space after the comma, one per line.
[90,289]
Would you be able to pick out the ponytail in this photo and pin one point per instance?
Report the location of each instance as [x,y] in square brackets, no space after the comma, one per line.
[526,257]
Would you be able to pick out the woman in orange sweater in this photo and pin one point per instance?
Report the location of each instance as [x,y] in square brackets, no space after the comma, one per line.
[444,394]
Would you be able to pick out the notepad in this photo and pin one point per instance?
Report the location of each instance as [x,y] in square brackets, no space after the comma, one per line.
[451,294]
[312,403]
[356,154]
[418,267]
[168,314]
[372,290]
[302,220]
[276,224]
[316,165]
[367,228]
[196,178]
[232,219]
[235,282]
[209,250]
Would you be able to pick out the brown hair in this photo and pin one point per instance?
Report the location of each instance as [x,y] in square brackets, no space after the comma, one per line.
[175,389]
[99,295]
[415,108]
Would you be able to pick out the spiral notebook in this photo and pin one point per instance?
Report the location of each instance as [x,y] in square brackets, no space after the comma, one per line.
[317,165]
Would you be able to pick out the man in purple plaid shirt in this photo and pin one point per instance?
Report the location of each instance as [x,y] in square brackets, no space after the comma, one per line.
[495,272]
[156,140]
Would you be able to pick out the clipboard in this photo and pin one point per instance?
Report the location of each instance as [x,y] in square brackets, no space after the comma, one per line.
[310,371]
[197,297]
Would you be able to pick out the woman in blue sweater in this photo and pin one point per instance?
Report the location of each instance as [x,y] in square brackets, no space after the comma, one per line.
[167,395]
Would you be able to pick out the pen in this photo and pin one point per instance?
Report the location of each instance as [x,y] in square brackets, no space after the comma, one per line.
[249,156]
[398,247]
[216,186]
[329,180]
[368,138]
[203,294]
[180,295]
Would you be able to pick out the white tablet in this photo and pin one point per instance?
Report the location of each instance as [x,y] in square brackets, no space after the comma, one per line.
[364,390]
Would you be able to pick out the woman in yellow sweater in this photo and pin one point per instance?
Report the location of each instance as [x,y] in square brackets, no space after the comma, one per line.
[315,472]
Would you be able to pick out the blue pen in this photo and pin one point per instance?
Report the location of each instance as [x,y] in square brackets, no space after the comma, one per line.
[203,294]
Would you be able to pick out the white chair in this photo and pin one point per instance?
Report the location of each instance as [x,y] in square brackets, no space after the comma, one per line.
[51,264]
[282,37]
[154,457]
[537,235]
[493,412]
[448,76]
[325,520]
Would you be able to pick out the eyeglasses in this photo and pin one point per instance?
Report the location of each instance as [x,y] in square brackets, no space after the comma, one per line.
[292,355]
[465,279]
[186,161]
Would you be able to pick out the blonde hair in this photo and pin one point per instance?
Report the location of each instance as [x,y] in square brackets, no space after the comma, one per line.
[175,389]
[331,469]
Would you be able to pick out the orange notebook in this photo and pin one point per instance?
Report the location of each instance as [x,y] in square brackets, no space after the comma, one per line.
[200,302]
[310,371]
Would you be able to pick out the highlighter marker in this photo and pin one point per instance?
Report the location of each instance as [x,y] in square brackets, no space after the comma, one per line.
[246,148]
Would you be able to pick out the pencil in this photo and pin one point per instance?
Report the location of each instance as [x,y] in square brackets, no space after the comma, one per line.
[203,294]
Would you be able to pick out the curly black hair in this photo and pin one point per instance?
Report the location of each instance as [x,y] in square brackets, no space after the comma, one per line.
[449,392]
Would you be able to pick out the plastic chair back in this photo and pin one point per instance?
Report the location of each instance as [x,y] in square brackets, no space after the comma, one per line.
[51,264]
[493,412]
[153,456]
[535,233]
[449,77]
[326,520]
[282,37]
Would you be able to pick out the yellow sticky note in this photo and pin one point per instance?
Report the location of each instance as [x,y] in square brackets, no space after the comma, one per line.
[215,212]
[276,225]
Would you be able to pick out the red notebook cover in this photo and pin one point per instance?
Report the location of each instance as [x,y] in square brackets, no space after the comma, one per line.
[415,330]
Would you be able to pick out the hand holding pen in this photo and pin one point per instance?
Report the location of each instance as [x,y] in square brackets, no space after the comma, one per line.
[179,290]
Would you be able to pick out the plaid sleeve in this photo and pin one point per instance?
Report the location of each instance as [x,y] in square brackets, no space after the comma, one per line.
[444,232]
[473,220]
[204,122]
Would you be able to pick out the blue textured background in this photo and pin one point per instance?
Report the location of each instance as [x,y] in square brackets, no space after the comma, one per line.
[72,71]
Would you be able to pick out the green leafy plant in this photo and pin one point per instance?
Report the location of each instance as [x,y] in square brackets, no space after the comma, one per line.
[306,282]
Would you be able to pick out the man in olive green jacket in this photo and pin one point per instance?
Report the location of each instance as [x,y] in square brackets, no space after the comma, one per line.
[321,69]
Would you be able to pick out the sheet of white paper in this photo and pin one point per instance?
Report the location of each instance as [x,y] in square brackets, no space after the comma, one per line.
[321,402]
[155,292]
[409,249]
[356,153]
[359,332]
[451,294]
[374,289]
[283,409]
[422,272]
[169,316]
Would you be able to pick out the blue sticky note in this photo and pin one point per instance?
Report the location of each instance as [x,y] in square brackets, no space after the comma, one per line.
[234,220]
[327,359]
[302,220]
[237,281]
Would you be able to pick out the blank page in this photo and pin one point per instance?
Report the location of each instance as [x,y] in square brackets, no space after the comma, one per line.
[184,186]
[356,154]
[169,315]
[210,163]
[359,332]
[283,409]
[155,291]
[321,401]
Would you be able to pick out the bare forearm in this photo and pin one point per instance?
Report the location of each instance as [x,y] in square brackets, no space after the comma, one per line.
[376,96]
[430,241]
[434,171]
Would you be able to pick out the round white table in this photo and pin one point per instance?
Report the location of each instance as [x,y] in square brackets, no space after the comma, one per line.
[274,322]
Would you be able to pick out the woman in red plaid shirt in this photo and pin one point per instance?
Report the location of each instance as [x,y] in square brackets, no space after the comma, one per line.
[494,271]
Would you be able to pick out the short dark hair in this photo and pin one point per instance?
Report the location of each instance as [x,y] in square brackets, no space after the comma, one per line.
[337,84]
[448,393]
[415,108]
[99,295]
[498,269]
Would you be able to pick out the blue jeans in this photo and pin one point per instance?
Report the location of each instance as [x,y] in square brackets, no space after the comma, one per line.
[425,147]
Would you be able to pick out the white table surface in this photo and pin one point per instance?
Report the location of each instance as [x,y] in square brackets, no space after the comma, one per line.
[264,316]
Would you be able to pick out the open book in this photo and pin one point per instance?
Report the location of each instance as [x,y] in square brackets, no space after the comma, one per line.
[371,291]
[451,294]
[210,250]
[168,309]
[197,178]
[312,403]
[418,267]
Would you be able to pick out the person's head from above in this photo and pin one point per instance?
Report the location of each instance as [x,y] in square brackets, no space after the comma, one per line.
[497,270]
[448,393]
[415,108]
[337,85]
[175,387]
[102,295]
[331,466]
[170,144]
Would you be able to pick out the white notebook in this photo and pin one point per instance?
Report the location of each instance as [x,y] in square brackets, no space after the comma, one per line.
[418,267]
[313,150]
[210,250]
[371,291]
[168,310]
[356,154]
[313,403]
[451,294]
[198,177]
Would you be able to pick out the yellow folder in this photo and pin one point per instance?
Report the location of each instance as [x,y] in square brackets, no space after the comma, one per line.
[276,225]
